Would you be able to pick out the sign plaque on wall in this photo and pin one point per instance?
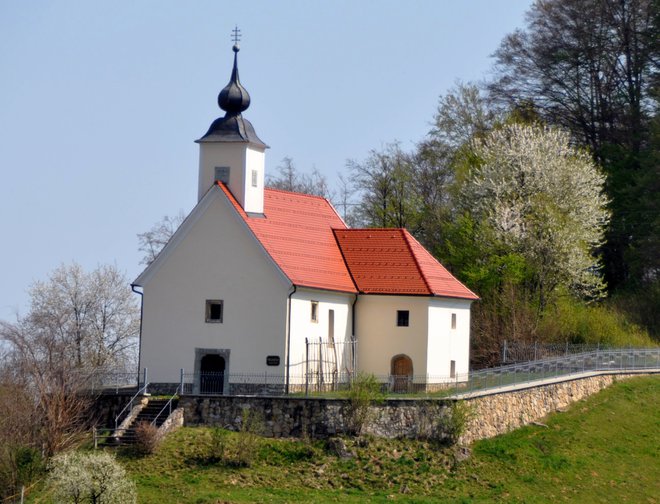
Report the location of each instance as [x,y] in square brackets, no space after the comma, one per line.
[273,360]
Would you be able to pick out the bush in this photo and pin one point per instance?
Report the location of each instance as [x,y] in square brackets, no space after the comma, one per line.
[364,391]
[455,421]
[576,322]
[239,449]
[89,477]
[147,438]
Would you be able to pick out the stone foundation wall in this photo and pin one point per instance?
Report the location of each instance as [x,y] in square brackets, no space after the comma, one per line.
[499,413]
[316,417]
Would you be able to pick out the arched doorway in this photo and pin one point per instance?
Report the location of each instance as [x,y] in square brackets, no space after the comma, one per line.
[212,374]
[401,373]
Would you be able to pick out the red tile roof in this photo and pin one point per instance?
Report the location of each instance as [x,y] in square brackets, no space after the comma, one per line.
[392,261]
[296,231]
[311,244]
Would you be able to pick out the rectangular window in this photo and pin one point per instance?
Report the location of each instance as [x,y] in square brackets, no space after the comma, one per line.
[214,310]
[222,174]
[402,318]
[315,311]
[452,369]
[453,321]
[254,178]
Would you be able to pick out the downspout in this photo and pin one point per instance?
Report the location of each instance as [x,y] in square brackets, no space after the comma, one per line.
[288,339]
[353,333]
[141,294]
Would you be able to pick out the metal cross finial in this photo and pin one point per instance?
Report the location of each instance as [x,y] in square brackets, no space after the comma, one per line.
[236,35]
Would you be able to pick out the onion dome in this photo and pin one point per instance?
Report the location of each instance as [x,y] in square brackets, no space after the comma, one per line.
[233,99]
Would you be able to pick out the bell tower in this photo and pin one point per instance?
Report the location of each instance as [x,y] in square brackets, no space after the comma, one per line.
[230,151]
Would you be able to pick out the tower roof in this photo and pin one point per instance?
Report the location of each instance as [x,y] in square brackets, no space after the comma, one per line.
[233,99]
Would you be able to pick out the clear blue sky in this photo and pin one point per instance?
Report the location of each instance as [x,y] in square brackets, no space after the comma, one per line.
[100,103]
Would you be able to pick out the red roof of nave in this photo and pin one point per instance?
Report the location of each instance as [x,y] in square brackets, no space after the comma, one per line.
[313,247]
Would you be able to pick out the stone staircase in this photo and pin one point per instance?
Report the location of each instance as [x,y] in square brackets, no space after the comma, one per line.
[148,414]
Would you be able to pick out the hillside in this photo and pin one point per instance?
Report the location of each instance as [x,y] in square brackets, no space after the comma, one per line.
[604,449]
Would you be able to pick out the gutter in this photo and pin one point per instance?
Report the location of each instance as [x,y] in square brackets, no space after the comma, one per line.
[288,339]
[353,332]
[141,294]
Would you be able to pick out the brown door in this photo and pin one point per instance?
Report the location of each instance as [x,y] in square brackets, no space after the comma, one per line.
[402,372]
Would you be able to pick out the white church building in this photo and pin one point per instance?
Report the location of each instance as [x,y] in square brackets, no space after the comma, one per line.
[263,286]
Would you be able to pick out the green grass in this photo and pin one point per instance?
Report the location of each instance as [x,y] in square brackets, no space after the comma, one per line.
[604,449]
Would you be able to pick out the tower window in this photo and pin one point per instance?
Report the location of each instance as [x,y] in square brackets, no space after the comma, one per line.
[453,321]
[254,178]
[222,174]
[315,311]
[214,310]
[403,318]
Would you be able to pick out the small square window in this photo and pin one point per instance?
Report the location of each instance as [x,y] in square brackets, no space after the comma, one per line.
[254,178]
[214,310]
[402,318]
[222,174]
[315,311]
[453,321]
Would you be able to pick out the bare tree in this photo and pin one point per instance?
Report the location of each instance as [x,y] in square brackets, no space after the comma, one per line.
[151,242]
[290,179]
[78,324]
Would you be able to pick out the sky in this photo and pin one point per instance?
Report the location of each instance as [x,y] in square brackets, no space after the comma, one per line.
[100,104]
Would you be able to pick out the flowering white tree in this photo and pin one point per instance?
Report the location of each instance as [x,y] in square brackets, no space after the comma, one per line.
[542,199]
[90,478]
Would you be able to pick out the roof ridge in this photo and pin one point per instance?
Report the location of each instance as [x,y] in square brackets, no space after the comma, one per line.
[405,235]
[275,189]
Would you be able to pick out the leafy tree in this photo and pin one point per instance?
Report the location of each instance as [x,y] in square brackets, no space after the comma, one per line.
[541,199]
[588,65]
[385,181]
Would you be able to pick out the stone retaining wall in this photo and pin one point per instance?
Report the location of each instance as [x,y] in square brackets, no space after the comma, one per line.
[317,417]
[499,413]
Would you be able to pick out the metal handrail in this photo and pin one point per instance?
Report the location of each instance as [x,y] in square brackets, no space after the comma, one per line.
[130,404]
[169,404]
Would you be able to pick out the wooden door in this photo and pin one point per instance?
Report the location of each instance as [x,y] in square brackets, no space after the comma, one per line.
[402,373]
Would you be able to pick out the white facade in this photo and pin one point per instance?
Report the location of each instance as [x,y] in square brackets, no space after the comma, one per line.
[428,341]
[327,328]
[213,256]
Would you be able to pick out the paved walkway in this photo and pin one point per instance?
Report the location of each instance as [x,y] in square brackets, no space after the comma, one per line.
[550,381]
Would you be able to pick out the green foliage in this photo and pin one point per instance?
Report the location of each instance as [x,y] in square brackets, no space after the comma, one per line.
[363,391]
[95,478]
[570,320]
[239,449]
[456,420]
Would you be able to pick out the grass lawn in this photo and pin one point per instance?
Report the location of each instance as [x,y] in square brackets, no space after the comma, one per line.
[605,449]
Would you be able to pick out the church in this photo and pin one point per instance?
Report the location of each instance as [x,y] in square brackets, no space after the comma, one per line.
[264,287]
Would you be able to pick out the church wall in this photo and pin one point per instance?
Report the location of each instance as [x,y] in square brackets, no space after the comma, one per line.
[219,259]
[338,357]
[379,337]
[444,343]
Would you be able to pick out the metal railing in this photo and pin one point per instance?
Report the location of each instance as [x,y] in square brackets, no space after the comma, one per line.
[129,405]
[167,407]
[522,351]
[511,375]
